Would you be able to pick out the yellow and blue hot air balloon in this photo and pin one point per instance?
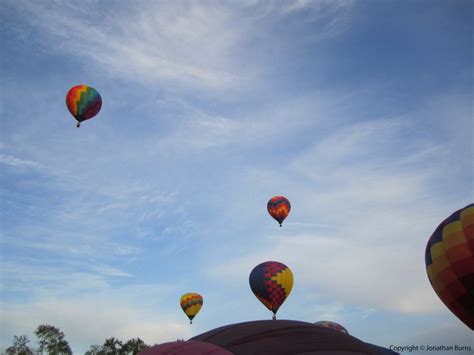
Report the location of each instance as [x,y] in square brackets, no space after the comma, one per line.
[191,304]
[83,102]
[271,282]
[449,259]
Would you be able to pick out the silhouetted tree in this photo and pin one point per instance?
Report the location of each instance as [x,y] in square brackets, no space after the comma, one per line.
[111,346]
[19,346]
[51,340]
[94,350]
[133,346]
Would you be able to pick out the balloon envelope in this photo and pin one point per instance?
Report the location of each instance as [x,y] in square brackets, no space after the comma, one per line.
[191,304]
[271,282]
[279,207]
[83,102]
[332,325]
[286,337]
[185,348]
[449,259]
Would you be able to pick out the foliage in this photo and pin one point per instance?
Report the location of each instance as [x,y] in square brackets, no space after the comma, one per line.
[116,347]
[19,346]
[51,340]
[134,346]
[94,350]
[112,346]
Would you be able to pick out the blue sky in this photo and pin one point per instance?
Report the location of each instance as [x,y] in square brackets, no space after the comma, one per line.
[360,112]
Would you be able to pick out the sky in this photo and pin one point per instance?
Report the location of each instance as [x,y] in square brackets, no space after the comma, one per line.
[359,112]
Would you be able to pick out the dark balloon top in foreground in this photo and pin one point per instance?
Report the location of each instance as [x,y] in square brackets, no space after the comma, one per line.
[286,337]
[185,348]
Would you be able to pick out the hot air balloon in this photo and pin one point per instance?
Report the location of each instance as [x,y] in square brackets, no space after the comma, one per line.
[331,325]
[279,207]
[282,337]
[185,347]
[271,282]
[449,261]
[191,304]
[83,102]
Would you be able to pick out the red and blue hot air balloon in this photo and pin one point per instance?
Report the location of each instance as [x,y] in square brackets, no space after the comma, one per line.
[279,207]
[83,102]
[271,282]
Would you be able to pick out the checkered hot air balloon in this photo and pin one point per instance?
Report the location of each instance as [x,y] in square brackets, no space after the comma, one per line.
[449,261]
[279,207]
[331,325]
[191,304]
[83,102]
[271,282]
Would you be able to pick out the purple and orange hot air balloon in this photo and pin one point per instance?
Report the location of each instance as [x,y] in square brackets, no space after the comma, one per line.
[271,282]
[83,102]
[449,258]
[279,207]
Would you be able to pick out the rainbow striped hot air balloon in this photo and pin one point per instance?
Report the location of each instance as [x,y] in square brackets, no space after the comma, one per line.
[191,304]
[279,207]
[449,258]
[271,282]
[83,102]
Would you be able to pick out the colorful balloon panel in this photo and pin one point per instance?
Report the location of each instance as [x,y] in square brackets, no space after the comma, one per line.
[191,304]
[83,102]
[271,282]
[279,207]
[449,259]
[331,325]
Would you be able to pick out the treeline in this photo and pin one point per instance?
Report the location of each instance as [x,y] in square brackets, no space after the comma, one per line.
[51,340]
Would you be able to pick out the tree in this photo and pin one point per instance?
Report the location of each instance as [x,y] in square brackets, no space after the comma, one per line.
[115,347]
[111,346]
[19,346]
[134,346]
[51,340]
[94,350]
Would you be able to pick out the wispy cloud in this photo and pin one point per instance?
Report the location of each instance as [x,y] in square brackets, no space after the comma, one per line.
[19,163]
[377,199]
[83,318]
[177,44]
[209,110]
[308,225]
[344,270]
[67,279]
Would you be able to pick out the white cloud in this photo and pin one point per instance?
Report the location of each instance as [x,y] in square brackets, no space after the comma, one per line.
[19,163]
[443,334]
[205,45]
[347,271]
[163,42]
[124,313]
[299,5]
[377,200]
[195,135]
[67,279]
[364,200]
